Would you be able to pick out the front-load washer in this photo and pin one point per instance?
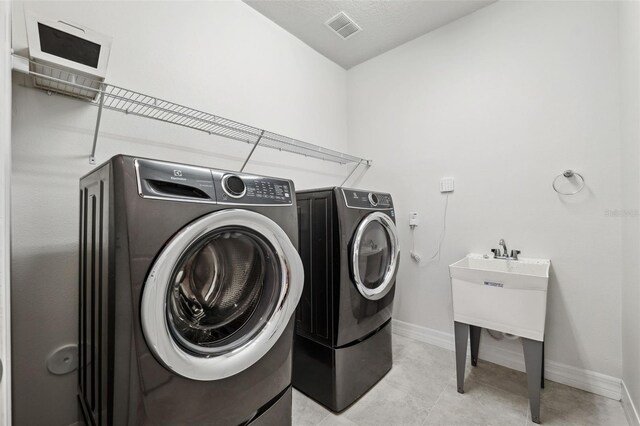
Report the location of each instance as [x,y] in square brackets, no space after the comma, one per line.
[189,279]
[349,248]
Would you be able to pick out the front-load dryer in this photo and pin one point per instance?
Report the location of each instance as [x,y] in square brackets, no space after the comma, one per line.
[189,278]
[349,248]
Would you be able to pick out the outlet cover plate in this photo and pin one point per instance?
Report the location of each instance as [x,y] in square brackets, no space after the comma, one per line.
[413,218]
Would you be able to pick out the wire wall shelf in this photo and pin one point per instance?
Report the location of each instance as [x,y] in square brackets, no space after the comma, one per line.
[108,96]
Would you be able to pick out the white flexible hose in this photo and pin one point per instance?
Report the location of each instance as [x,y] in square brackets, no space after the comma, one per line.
[444,230]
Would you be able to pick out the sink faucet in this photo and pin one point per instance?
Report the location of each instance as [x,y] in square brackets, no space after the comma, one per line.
[505,253]
[504,247]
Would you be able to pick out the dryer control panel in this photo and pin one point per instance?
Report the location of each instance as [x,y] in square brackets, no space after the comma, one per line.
[367,199]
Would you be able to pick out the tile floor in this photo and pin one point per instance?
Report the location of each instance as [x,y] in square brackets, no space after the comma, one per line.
[420,390]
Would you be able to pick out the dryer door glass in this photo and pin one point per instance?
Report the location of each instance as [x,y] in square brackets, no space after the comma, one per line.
[220,294]
[375,254]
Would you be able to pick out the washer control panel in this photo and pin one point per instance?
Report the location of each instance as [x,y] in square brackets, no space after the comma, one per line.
[238,188]
[367,199]
[233,186]
[172,181]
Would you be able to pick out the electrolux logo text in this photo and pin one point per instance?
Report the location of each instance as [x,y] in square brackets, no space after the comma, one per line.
[622,213]
[177,175]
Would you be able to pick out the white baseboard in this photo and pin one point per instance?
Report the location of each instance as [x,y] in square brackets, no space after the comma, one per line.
[629,407]
[423,334]
[590,381]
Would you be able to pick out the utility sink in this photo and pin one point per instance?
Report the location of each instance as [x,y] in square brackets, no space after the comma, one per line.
[499,294]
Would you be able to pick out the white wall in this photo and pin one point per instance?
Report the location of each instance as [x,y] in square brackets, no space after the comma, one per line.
[222,57]
[504,100]
[630,96]
[5,178]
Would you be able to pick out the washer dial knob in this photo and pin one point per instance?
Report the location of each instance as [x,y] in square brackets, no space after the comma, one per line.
[373,199]
[233,186]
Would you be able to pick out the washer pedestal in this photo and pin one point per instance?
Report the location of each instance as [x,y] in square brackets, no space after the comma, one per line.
[337,377]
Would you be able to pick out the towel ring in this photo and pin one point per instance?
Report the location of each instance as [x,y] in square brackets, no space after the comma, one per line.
[568,174]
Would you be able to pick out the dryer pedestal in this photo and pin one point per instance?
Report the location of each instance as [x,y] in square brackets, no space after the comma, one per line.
[337,377]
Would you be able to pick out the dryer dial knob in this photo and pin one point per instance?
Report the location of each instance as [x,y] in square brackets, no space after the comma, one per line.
[233,186]
[373,199]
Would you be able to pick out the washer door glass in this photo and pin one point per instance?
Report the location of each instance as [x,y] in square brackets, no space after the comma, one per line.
[375,255]
[220,294]
[222,291]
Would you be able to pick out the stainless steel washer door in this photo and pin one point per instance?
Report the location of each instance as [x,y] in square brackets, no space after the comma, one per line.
[220,294]
[374,255]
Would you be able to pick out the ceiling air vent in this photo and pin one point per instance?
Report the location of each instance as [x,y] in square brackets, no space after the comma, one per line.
[342,25]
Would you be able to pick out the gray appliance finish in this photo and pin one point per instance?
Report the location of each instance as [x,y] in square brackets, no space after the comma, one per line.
[189,278]
[350,251]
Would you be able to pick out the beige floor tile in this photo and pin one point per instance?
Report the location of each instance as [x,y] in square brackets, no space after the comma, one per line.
[564,405]
[421,389]
[399,343]
[305,411]
[498,376]
[406,347]
[481,404]
[422,371]
[386,405]
[336,420]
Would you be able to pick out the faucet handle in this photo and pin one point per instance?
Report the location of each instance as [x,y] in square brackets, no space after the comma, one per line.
[496,252]
[514,254]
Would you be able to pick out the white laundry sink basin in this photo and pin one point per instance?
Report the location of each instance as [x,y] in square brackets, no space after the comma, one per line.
[504,295]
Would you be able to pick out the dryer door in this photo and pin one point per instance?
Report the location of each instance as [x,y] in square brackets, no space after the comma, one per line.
[374,255]
[220,294]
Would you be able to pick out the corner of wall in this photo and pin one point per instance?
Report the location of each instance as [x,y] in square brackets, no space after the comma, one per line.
[629,69]
[5,210]
[630,410]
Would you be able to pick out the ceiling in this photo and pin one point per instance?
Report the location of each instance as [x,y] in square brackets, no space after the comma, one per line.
[385,24]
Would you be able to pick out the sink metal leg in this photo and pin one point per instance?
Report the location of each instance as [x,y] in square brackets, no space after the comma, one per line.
[542,378]
[461,331]
[475,343]
[533,358]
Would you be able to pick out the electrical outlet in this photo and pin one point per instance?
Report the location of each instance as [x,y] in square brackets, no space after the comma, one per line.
[446,184]
[413,219]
